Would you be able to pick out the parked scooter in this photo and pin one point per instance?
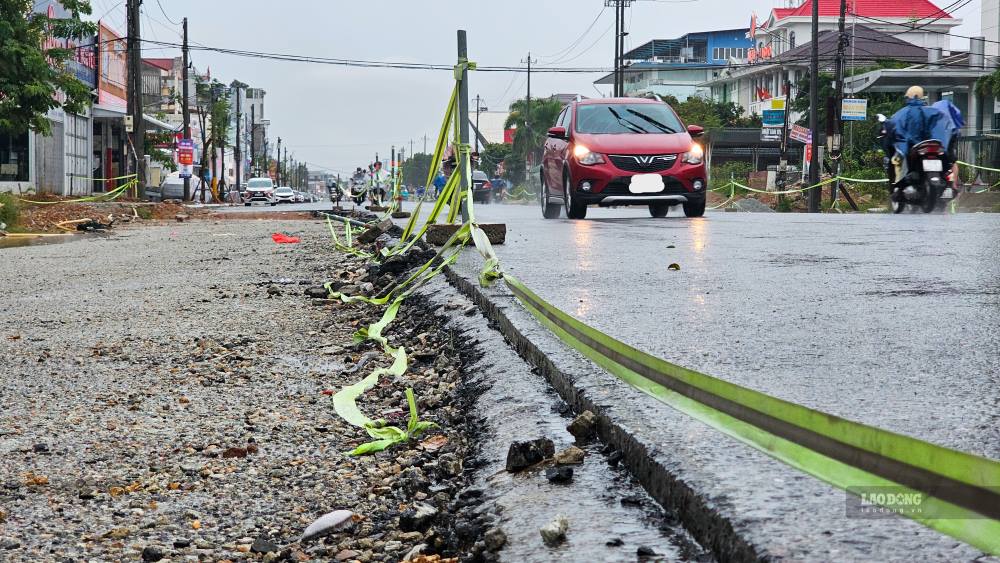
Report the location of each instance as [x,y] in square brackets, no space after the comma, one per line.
[925,182]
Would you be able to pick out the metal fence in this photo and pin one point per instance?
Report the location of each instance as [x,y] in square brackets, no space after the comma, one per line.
[982,150]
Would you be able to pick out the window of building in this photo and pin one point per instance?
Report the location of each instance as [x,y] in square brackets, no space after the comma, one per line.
[791,39]
[13,157]
[715,54]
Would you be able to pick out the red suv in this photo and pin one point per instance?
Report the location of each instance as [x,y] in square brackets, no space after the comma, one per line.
[622,151]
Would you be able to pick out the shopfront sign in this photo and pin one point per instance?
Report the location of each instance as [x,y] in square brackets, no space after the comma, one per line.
[185,157]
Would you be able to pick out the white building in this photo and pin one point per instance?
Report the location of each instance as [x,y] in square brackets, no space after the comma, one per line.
[919,22]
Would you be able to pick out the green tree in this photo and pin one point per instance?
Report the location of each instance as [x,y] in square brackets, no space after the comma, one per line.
[31,74]
[416,168]
[989,85]
[530,136]
[492,155]
[711,114]
[212,110]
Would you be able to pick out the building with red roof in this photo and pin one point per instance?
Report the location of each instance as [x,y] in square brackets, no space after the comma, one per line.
[920,22]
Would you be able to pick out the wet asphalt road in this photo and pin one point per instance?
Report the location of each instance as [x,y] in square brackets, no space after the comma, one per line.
[892,321]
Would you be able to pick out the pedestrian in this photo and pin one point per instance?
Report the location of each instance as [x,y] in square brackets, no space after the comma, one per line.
[439,183]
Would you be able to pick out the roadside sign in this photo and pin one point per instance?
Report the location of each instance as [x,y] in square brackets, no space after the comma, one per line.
[773,117]
[768,134]
[854,109]
[778,103]
[809,154]
[185,157]
[800,134]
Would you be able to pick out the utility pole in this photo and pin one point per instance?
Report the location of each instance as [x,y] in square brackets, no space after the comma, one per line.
[782,176]
[284,162]
[411,148]
[621,49]
[463,123]
[425,145]
[237,151]
[527,119]
[836,149]
[815,193]
[185,104]
[479,108]
[253,140]
[133,45]
[277,172]
[618,30]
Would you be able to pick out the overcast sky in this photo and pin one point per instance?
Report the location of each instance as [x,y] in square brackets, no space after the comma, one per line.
[338,117]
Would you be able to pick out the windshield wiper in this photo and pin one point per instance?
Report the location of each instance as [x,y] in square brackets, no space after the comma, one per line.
[658,125]
[631,125]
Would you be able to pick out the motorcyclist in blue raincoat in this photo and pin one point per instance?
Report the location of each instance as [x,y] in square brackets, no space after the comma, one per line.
[915,123]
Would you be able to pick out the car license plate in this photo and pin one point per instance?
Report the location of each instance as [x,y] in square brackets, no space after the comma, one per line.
[646,184]
[932,166]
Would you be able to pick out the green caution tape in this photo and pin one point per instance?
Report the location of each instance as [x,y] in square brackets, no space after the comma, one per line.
[836,450]
[108,196]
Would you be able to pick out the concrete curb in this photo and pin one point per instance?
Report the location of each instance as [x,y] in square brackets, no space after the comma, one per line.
[698,515]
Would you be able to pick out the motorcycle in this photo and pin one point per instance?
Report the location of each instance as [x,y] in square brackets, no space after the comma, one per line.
[925,183]
[358,192]
[336,194]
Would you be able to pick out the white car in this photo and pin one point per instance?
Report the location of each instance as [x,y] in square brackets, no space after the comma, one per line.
[259,189]
[284,194]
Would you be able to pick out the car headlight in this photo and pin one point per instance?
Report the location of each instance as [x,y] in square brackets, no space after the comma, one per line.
[585,157]
[695,154]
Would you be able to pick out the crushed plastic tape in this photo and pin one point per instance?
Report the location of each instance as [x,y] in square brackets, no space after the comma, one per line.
[282,238]
[977,166]
[107,196]
[841,452]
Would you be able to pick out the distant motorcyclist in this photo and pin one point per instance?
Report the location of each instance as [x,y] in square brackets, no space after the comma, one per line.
[914,123]
[378,183]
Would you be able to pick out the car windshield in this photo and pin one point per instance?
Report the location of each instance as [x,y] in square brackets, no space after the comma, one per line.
[612,119]
[260,183]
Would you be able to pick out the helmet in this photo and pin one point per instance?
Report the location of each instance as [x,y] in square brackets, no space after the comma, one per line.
[915,92]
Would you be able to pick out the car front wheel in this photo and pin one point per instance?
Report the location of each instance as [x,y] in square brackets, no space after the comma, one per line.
[659,209]
[574,208]
[549,210]
[694,208]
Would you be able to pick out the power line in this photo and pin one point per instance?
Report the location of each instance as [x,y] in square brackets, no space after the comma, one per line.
[164,12]
[577,40]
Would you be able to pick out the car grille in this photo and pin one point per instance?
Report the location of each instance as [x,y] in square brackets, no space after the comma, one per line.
[619,186]
[643,162]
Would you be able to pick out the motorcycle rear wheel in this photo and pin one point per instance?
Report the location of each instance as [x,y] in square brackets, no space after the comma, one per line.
[896,202]
[930,196]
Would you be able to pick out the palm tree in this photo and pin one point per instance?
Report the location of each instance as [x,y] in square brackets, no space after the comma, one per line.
[530,136]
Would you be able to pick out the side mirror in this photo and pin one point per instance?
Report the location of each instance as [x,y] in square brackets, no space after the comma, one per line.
[881,118]
[557,132]
[696,131]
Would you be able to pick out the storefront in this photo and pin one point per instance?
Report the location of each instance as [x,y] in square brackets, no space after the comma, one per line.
[109,144]
[16,173]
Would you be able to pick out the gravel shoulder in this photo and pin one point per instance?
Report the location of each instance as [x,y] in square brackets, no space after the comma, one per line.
[166,394]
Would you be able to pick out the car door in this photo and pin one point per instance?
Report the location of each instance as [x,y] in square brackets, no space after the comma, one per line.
[552,158]
[549,154]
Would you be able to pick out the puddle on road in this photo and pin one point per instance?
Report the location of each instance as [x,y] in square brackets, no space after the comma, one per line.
[19,241]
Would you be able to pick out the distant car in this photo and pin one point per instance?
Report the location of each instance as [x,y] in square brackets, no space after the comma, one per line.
[622,151]
[172,188]
[259,190]
[299,196]
[482,189]
[284,194]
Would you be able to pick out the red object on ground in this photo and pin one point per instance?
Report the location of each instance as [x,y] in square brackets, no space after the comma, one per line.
[281,238]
